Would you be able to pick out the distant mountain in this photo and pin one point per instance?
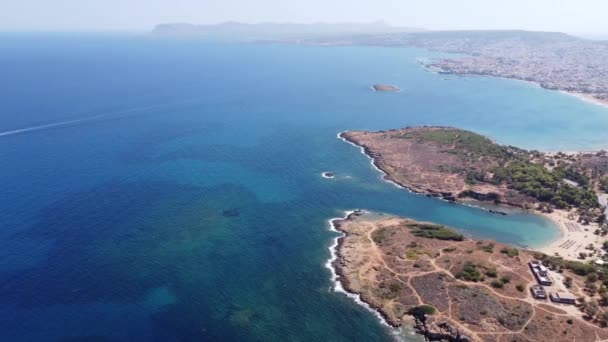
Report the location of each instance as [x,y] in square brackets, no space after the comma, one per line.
[275,31]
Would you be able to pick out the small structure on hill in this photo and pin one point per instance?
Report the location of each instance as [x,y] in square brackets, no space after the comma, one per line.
[541,273]
[538,292]
[571,183]
[563,297]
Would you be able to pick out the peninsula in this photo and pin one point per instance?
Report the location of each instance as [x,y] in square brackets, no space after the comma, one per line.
[451,288]
[463,166]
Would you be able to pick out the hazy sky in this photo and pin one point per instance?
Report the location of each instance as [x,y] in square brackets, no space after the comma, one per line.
[61,15]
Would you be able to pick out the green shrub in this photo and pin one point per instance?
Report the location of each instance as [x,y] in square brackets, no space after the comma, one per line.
[512,252]
[394,287]
[497,284]
[489,248]
[421,311]
[469,273]
[433,231]
[491,273]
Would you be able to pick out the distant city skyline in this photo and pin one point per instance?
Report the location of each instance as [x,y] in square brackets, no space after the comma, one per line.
[582,16]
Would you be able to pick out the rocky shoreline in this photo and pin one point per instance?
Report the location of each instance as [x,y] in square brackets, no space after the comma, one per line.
[431,329]
[377,161]
[339,263]
[423,276]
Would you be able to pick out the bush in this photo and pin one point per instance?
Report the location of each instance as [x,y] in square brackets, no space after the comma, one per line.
[491,273]
[489,248]
[520,287]
[497,284]
[469,272]
[433,231]
[505,279]
[512,252]
[421,311]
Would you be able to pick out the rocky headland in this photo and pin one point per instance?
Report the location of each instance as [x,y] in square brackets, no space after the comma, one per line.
[450,288]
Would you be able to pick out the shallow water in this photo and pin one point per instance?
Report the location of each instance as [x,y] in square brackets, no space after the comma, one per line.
[189,203]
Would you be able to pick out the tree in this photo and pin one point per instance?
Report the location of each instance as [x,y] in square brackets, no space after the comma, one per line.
[590,308]
[568,282]
[603,319]
[604,299]
[421,311]
[591,278]
[591,288]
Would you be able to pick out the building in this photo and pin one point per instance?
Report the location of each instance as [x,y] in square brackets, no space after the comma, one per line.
[540,273]
[571,183]
[538,292]
[563,297]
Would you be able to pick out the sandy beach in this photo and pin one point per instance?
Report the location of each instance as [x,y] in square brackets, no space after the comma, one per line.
[574,237]
[587,98]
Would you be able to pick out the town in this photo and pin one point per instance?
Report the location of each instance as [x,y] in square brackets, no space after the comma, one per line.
[553,60]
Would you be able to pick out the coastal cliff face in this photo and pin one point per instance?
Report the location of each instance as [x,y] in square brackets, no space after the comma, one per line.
[455,289]
[455,164]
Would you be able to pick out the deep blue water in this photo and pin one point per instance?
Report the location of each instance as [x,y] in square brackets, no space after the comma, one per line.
[114,228]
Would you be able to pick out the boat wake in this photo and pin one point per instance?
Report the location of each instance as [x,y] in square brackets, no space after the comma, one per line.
[112,114]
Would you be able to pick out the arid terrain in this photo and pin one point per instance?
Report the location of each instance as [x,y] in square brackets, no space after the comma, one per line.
[455,289]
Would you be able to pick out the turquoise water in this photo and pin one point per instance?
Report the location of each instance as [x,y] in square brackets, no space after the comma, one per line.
[188,204]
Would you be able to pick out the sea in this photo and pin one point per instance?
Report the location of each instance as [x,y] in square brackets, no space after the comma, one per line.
[171,190]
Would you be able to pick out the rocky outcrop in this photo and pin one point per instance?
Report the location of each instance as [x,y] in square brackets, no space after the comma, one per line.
[440,330]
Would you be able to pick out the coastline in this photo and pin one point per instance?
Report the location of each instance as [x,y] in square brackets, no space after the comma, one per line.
[581,96]
[338,284]
[586,97]
[372,160]
[568,245]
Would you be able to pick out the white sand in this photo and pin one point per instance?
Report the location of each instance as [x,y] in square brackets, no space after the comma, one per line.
[574,237]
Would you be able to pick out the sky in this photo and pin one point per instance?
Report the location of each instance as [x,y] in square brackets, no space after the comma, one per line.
[574,16]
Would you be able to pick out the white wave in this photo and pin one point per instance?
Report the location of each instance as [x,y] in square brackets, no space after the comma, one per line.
[42,127]
[373,163]
[337,285]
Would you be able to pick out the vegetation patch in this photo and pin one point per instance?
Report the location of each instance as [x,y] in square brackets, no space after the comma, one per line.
[421,311]
[460,139]
[512,252]
[538,182]
[489,248]
[579,268]
[434,231]
[469,273]
[380,235]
